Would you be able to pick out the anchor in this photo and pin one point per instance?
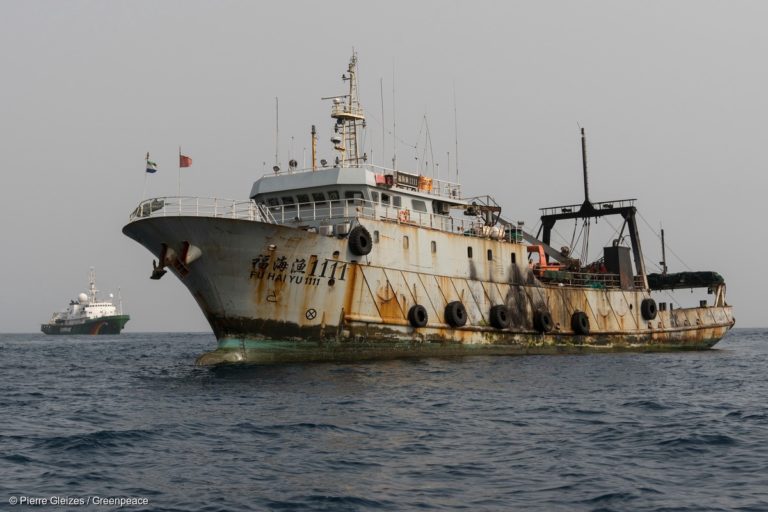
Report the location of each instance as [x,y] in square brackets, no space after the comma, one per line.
[157,272]
[158,267]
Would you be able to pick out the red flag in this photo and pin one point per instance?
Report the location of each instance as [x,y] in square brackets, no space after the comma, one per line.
[184,161]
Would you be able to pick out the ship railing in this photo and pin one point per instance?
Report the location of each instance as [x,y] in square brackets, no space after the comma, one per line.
[344,110]
[344,210]
[581,279]
[312,214]
[603,205]
[202,207]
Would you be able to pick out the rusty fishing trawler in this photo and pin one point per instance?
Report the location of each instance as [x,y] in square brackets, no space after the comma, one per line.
[349,261]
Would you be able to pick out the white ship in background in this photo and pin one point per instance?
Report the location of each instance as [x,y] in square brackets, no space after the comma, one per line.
[87,315]
[353,261]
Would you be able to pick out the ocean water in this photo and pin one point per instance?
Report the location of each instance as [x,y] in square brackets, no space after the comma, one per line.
[97,418]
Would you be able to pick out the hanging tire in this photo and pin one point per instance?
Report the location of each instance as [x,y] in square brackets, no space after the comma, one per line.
[417,316]
[580,322]
[455,314]
[648,309]
[542,321]
[360,242]
[499,316]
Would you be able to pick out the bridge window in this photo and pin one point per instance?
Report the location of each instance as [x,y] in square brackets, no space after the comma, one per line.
[397,201]
[469,252]
[385,199]
[302,198]
[287,200]
[440,208]
[319,198]
[419,206]
[353,196]
[273,201]
[374,197]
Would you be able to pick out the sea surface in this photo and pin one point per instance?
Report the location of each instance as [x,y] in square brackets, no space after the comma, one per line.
[130,416]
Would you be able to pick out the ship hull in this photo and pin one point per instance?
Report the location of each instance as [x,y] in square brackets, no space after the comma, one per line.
[98,326]
[275,293]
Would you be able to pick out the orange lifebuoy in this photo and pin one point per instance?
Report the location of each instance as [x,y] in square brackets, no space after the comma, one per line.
[404,215]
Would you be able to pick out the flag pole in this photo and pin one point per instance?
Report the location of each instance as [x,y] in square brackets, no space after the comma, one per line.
[179,176]
[144,189]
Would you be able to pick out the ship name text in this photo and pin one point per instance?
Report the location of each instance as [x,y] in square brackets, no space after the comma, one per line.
[301,271]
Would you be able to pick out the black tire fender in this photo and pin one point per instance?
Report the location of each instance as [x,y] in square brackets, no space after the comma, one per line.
[648,309]
[499,316]
[417,315]
[580,322]
[542,321]
[360,241]
[455,314]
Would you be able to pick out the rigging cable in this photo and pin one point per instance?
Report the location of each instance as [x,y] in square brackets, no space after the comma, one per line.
[667,245]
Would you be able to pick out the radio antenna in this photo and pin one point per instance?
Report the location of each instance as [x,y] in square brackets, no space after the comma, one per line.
[394,121]
[383,131]
[455,133]
[277,129]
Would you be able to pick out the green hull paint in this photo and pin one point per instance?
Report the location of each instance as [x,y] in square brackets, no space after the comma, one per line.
[103,325]
[251,351]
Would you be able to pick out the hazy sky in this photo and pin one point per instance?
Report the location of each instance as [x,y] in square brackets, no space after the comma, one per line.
[673,96]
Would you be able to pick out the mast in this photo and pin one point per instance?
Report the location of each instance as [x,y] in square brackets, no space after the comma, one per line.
[349,120]
[314,148]
[584,165]
[663,262]
[587,211]
[277,132]
[92,288]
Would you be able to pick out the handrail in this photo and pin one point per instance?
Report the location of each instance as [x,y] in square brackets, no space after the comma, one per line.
[314,214]
[581,279]
[199,207]
[602,205]
[318,213]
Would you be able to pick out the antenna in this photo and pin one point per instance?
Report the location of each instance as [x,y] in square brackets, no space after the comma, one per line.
[383,131]
[394,121]
[277,129]
[456,132]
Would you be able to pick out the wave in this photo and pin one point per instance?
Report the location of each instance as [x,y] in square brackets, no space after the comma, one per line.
[95,440]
